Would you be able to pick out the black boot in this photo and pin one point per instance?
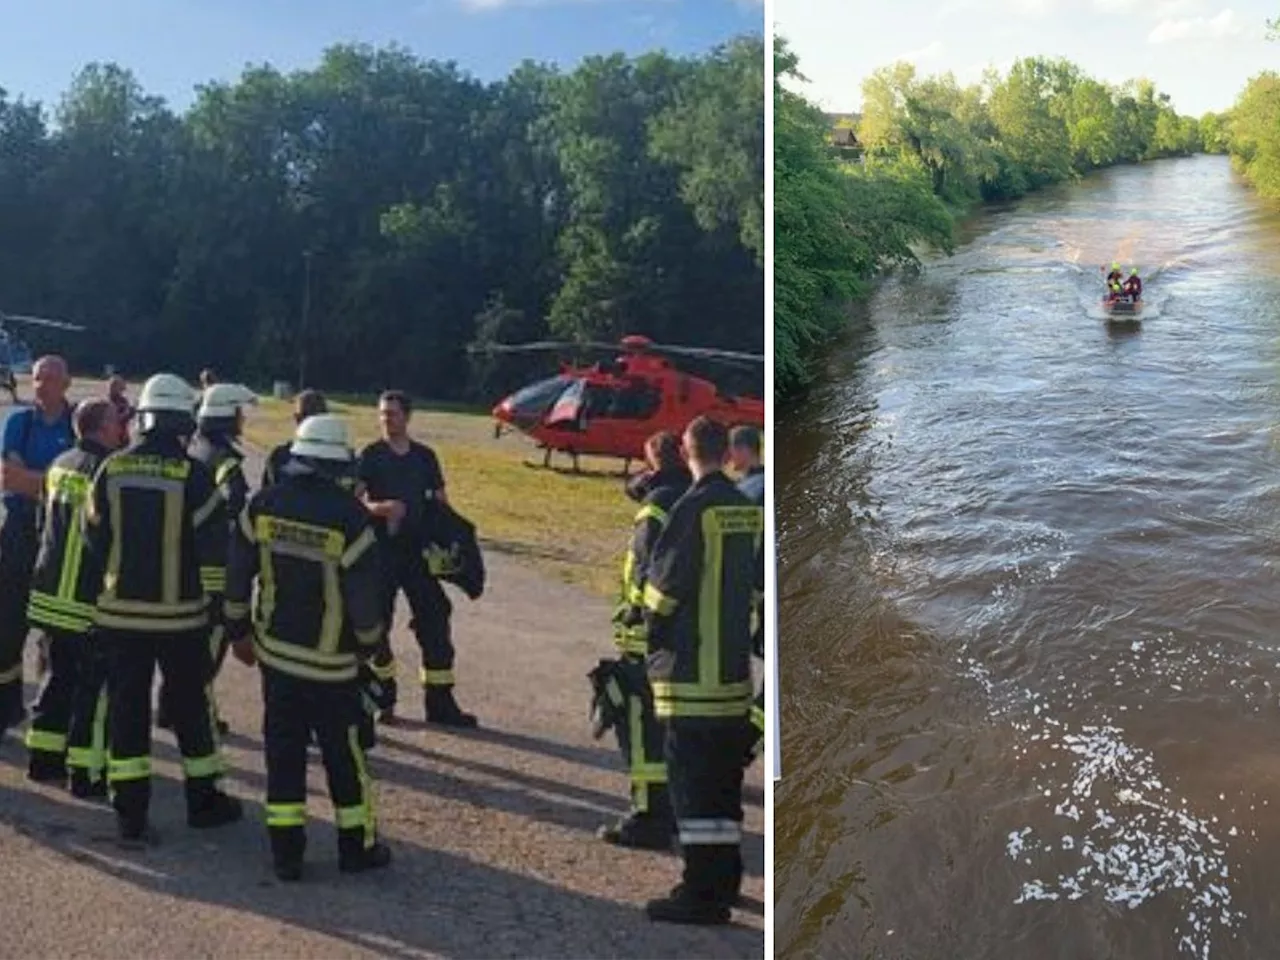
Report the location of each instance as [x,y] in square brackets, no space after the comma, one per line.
[288,844]
[640,831]
[650,829]
[682,906]
[207,806]
[443,709]
[46,767]
[83,787]
[699,898]
[355,857]
[130,799]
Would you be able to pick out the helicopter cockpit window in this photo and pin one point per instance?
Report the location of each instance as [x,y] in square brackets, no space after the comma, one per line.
[569,407]
[538,397]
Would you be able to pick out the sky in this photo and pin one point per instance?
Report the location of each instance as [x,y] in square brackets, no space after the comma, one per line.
[172,45]
[1200,52]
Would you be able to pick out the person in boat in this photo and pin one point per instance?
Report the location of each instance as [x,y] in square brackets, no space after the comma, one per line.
[1114,286]
[1133,286]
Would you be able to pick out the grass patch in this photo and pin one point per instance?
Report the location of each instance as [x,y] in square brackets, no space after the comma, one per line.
[573,527]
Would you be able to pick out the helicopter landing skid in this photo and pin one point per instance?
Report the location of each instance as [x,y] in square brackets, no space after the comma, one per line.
[546,459]
[576,470]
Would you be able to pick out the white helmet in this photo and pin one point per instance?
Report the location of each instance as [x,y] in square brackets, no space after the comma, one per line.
[166,393]
[225,400]
[322,437]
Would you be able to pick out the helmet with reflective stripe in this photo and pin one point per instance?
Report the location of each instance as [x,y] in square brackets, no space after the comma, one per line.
[1133,272]
[322,437]
[225,400]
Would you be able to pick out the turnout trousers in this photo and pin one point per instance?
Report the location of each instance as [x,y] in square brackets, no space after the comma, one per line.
[294,709]
[642,742]
[704,769]
[406,570]
[19,545]
[183,659]
[69,718]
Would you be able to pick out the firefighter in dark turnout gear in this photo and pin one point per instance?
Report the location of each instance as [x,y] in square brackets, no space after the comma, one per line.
[310,544]
[400,480]
[650,822]
[68,723]
[156,527]
[308,403]
[219,424]
[744,452]
[698,601]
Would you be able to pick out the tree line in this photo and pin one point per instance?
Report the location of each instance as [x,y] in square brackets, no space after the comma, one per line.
[1250,130]
[400,207]
[931,148]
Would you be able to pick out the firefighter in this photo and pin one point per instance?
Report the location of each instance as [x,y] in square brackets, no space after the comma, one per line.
[219,424]
[744,453]
[308,403]
[650,823]
[399,478]
[155,525]
[33,437]
[68,721]
[698,601]
[313,541]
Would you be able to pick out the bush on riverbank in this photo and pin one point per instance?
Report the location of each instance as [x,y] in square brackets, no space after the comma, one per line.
[836,225]
[1253,133]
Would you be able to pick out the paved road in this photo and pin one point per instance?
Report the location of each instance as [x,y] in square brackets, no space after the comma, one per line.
[492,830]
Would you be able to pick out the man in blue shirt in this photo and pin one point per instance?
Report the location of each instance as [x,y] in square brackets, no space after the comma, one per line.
[33,437]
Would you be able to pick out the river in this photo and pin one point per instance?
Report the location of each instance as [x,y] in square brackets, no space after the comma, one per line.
[1029,591]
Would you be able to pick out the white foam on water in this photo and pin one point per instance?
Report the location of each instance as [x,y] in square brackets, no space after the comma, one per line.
[1133,839]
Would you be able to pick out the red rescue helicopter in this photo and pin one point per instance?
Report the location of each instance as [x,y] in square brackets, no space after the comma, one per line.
[610,408]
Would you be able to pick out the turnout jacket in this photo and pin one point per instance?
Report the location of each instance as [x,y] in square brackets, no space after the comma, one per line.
[157,528]
[224,461]
[706,566]
[662,490]
[65,583]
[312,548]
[451,548]
[219,454]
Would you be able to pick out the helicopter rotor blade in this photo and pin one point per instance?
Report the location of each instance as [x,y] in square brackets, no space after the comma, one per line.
[40,321]
[540,345]
[709,353]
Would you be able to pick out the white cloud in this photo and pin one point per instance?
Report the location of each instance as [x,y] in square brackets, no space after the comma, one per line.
[1221,27]
[924,53]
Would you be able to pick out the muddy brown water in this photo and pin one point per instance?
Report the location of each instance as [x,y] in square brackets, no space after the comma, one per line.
[1029,594]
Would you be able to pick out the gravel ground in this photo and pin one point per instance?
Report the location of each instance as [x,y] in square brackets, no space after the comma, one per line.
[492,830]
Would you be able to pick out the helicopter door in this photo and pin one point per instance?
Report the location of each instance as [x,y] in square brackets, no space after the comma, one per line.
[569,409]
